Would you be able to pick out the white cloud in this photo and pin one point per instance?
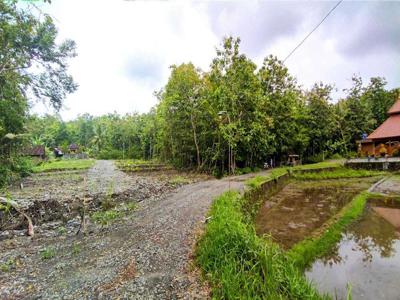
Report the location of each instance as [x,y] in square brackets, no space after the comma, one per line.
[125,48]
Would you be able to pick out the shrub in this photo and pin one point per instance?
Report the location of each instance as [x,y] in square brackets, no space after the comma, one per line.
[47,253]
[13,168]
[336,156]
[314,158]
[105,217]
[110,154]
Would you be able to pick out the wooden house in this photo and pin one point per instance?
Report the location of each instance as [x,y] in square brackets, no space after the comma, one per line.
[385,140]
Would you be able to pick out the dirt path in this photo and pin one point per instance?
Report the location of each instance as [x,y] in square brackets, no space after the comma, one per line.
[104,176]
[144,256]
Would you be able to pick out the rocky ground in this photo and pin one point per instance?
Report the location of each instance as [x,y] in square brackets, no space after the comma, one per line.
[145,253]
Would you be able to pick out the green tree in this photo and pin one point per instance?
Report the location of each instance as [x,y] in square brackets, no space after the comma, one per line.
[31,63]
[320,118]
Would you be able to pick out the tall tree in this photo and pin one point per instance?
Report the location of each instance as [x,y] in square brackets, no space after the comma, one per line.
[31,63]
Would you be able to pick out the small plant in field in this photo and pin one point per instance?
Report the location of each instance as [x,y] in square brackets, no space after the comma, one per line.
[76,249]
[131,206]
[109,203]
[62,230]
[8,265]
[105,217]
[47,253]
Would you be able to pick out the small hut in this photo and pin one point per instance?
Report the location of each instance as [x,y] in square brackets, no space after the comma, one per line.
[293,160]
[38,151]
[385,140]
[73,148]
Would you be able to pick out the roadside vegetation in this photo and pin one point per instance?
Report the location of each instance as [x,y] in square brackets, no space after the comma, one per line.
[64,164]
[241,265]
[258,180]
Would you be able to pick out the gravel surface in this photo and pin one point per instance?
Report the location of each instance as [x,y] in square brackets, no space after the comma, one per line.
[144,255]
[388,186]
[104,176]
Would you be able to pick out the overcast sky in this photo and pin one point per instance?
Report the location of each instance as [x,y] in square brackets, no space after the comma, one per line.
[125,48]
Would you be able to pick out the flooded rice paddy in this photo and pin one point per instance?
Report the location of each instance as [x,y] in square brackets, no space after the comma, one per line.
[367,258]
[303,206]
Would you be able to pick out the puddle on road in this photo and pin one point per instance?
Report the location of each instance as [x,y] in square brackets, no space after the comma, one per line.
[303,206]
[367,257]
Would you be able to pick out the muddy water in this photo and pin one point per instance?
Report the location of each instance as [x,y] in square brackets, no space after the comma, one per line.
[367,257]
[303,206]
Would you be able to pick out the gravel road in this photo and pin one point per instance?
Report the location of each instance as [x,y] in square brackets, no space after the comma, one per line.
[147,255]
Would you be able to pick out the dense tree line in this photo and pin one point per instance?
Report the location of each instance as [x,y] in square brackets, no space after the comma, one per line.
[107,137]
[238,115]
[235,115]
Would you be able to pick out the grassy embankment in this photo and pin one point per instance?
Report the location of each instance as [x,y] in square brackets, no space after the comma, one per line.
[137,165]
[258,180]
[61,165]
[321,165]
[241,265]
[336,174]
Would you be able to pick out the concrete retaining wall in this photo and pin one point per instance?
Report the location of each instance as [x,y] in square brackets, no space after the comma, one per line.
[374,165]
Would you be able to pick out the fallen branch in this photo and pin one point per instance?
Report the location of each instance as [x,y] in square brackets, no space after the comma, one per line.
[15,205]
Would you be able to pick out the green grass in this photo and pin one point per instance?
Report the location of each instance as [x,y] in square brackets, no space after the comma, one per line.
[239,264]
[336,174]
[64,164]
[105,217]
[47,253]
[320,165]
[258,180]
[110,214]
[306,251]
[76,249]
[8,265]
[177,180]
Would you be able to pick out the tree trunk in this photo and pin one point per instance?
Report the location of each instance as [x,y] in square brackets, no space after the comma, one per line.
[195,141]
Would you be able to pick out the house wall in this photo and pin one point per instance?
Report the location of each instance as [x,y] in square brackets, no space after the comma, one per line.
[373,148]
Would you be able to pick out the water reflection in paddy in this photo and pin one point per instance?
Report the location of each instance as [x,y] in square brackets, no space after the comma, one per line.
[367,257]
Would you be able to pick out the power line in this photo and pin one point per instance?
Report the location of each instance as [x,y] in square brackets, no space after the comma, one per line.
[315,28]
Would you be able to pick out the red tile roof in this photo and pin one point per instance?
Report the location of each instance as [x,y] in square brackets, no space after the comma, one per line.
[395,109]
[390,128]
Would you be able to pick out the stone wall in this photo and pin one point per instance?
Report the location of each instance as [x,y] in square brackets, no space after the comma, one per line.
[374,164]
